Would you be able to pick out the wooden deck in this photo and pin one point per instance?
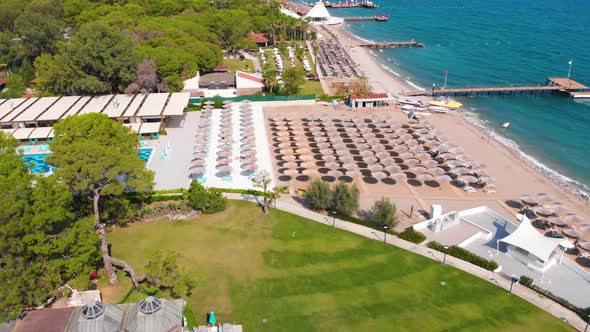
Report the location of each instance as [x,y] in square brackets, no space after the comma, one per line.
[365,18]
[394,44]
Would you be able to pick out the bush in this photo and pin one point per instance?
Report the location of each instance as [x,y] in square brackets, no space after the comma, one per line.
[526,281]
[413,236]
[583,313]
[465,255]
[385,213]
[318,195]
[205,200]
[345,200]
[191,318]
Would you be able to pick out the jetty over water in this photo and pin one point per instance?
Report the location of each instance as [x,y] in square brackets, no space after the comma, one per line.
[564,86]
[378,18]
[394,44]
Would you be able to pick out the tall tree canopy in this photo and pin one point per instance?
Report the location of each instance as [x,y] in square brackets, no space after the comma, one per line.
[42,245]
[98,157]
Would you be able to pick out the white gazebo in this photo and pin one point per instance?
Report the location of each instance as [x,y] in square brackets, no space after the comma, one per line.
[320,15]
[530,247]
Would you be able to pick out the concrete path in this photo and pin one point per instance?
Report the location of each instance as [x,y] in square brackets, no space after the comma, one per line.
[289,205]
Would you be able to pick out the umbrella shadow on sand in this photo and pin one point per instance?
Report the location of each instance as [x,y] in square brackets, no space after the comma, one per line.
[284,178]
[370,180]
[389,181]
[414,182]
[432,184]
[346,179]
[302,178]
[328,178]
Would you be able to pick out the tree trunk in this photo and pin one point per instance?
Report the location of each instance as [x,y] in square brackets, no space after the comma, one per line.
[126,267]
[96,198]
[106,258]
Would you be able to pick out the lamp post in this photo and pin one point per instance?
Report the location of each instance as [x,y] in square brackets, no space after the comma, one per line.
[570,70]
[433,86]
[445,256]
[385,234]
[334,219]
[513,280]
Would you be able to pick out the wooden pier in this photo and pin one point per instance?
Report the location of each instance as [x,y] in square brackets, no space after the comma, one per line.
[394,44]
[366,18]
[563,86]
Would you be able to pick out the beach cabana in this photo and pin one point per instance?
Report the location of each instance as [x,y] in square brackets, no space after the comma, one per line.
[530,247]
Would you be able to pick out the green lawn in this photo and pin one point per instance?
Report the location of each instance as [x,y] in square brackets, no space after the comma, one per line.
[281,272]
[312,87]
[246,65]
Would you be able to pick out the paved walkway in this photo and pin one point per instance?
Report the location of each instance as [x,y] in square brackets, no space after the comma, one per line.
[289,205]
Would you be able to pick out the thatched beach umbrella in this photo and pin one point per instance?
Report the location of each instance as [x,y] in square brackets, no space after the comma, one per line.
[198,170]
[307,164]
[398,176]
[225,147]
[248,160]
[200,155]
[557,221]
[346,159]
[249,145]
[306,157]
[332,164]
[223,153]
[529,200]
[350,166]
[326,151]
[250,167]
[248,152]
[420,169]
[425,177]
[310,172]
[468,178]
[573,233]
[353,173]
[320,139]
[378,175]
[411,161]
[224,168]
[291,172]
[329,158]
[584,245]
[393,168]
[224,160]
[573,218]
[443,178]
[198,162]
[376,168]
[288,157]
[286,151]
[290,165]
[388,161]
[343,152]
[335,174]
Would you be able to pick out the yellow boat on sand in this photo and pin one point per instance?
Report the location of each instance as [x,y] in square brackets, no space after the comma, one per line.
[447,104]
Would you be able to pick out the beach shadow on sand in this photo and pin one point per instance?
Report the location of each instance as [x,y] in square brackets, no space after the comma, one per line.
[514,204]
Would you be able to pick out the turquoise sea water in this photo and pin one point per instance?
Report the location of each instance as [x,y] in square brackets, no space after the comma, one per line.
[498,42]
[37,164]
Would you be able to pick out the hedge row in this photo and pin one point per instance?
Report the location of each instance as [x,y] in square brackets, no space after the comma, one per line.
[413,236]
[465,255]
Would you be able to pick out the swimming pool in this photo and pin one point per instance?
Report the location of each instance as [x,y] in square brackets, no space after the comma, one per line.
[37,163]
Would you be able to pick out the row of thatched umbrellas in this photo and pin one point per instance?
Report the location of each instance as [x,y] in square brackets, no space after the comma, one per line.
[225,139]
[556,213]
[362,147]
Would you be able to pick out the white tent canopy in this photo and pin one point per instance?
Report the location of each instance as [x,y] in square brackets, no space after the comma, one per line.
[318,11]
[527,238]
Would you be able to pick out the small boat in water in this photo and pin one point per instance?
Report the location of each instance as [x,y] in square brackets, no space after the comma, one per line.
[505,124]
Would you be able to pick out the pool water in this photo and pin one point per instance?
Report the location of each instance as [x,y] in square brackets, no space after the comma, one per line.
[37,163]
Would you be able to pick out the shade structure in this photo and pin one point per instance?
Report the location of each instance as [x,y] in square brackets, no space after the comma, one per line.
[378,175]
[399,176]
[199,162]
[367,153]
[224,160]
[200,155]
[291,172]
[321,139]
[423,155]
[573,233]
[332,164]
[223,153]
[250,167]
[249,160]
[411,161]
[585,228]
[557,221]
[529,200]
[290,165]
[198,170]
[388,161]
[375,168]
[382,155]
[544,197]
[248,153]
[226,130]
[437,171]
[335,173]
[573,218]
[306,157]
[226,140]
[426,177]
[224,168]
[353,173]
[289,157]
[343,152]
[253,139]
[328,158]
[350,166]
[323,145]
[335,139]
[400,148]
[339,146]
[282,133]
[430,163]
[225,147]
[370,160]
[307,164]
[250,145]
[543,211]
[584,245]
[557,207]
[346,159]
[284,145]
[303,151]
[286,151]
[393,168]
[309,172]
[443,178]
[226,124]
[420,169]
[468,178]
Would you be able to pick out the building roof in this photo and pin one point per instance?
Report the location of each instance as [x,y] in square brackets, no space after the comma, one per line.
[152,315]
[96,317]
[221,69]
[372,96]
[177,103]
[228,78]
[2,81]
[250,77]
[48,320]
[259,37]
[149,127]
[526,237]
[318,11]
